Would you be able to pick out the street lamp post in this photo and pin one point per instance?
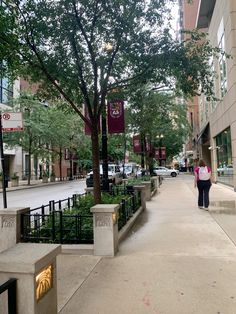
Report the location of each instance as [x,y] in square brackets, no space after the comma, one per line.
[108,48]
[105,181]
[160,137]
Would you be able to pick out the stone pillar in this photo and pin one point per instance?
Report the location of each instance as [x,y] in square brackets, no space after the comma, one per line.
[148,189]
[105,229]
[142,188]
[155,180]
[34,267]
[10,226]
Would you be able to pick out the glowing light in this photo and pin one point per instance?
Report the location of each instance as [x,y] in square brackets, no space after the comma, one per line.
[43,282]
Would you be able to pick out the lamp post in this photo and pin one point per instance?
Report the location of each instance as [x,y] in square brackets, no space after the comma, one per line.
[160,137]
[108,48]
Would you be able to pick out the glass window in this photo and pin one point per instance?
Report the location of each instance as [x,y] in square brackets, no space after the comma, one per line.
[6,90]
[222,59]
[224,157]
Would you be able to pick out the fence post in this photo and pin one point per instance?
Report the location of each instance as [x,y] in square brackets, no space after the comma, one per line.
[53,226]
[51,206]
[105,229]
[74,200]
[123,209]
[43,213]
[61,226]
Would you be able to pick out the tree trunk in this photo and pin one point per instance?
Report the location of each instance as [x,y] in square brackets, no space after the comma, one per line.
[29,161]
[60,163]
[96,172]
[29,167]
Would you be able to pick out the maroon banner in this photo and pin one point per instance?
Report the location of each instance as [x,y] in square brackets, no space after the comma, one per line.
[157,153]
[116,117]
[163,153]
[137,144]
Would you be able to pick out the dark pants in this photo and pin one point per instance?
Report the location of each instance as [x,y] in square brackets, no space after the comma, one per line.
[203,192]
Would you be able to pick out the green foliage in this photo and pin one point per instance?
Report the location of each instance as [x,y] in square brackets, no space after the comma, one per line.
[63,45]
[152,114]
[139,180]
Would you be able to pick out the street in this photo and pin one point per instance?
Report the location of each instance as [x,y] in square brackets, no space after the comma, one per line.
[41,195]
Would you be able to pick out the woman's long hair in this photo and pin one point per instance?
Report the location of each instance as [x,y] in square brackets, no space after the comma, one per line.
[202,163]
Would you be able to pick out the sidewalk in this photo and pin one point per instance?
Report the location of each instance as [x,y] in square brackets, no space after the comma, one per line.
[177,260]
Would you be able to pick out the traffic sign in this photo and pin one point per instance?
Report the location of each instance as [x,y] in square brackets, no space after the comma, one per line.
[12,121]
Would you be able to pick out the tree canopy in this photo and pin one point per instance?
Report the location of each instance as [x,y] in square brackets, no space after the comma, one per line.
[83,50]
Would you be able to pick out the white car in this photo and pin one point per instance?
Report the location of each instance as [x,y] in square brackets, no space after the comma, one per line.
[114,175]
[163,171]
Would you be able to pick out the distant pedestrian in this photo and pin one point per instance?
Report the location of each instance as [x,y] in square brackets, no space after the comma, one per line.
[202,179]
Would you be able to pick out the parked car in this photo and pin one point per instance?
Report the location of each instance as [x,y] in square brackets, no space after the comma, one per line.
[225,170]
[163,171]
[114,175]
[129,170]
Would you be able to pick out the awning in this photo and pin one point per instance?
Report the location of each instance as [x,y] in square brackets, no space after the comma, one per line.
[206,8]
[204,135]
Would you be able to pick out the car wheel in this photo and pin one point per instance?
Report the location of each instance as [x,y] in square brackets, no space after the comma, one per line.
[173,174]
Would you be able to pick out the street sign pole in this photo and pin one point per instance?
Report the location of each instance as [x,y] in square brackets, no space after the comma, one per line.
[3,166]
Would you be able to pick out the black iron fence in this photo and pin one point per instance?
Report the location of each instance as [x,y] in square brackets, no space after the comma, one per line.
[54,223]
[57,222]
[10,287]
[128,207]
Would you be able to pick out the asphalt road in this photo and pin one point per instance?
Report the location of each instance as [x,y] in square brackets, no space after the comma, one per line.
[41,195]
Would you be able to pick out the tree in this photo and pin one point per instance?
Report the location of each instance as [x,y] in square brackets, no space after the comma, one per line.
[64,131]
[73,48]
[33,138]
[163,115]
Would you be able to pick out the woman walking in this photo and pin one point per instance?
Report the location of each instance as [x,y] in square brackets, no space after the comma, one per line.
[202,180]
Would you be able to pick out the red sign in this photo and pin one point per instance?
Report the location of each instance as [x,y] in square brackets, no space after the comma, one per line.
[12,121]
[137,144]
[116,117]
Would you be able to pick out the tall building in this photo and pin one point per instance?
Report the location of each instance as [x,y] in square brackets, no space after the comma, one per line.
[187,21]
[217,119]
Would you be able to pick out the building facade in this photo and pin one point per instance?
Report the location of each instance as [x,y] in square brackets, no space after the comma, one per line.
[13,157]
[217,119]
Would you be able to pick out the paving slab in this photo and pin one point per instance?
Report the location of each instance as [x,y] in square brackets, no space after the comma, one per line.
[177,259]
[72,271]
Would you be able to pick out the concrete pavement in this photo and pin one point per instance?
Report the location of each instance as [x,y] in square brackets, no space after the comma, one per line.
[176,260]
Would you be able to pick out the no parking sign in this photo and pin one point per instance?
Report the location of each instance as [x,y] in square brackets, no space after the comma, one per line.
[12,121]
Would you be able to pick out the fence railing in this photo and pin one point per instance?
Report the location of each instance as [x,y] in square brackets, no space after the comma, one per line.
[128,207]
[52,224]
[10,287]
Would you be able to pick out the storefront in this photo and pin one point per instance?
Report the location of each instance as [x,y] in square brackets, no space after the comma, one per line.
[224,157]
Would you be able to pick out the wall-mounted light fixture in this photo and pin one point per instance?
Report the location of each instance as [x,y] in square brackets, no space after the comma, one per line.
[44,282]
